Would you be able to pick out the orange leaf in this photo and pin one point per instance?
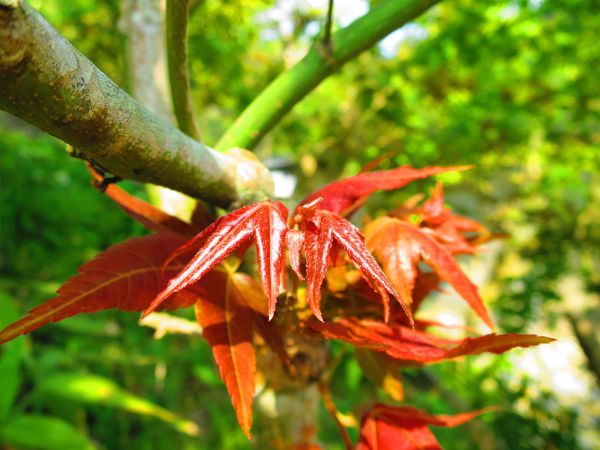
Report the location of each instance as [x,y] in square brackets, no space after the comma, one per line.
[400,246]
[226,324]
[151,217]
[405,428]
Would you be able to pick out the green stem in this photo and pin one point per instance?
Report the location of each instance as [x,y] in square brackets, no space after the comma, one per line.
[177,57]
[292,86]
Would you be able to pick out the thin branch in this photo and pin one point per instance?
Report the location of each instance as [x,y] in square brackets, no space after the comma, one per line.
[332,410]
[47,82]
[328,24]
[293,85]
[177,57]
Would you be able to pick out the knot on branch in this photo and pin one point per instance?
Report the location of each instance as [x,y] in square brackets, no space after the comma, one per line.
[252,180]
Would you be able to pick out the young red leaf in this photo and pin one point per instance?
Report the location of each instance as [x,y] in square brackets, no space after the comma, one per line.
[404,428]
[324,234]
[264,222]
[405,344]
[126,276]
[347,195]
[227,324]
[400,245]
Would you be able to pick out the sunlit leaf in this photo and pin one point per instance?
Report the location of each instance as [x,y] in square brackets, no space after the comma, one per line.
[90,389]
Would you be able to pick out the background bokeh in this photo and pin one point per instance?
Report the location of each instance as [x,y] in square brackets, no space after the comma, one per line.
[511,87]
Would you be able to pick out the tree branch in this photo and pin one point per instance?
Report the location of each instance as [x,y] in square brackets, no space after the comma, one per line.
[177,57]
[292,86]
[46,81]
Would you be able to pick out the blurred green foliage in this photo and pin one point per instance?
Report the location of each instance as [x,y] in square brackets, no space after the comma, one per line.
[510,87]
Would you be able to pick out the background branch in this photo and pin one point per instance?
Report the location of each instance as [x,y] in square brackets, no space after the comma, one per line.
[292,86]
[328,24]
[177,57]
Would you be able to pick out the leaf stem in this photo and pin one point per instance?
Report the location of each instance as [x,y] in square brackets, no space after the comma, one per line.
[294,84]
[332,410]
[177,56]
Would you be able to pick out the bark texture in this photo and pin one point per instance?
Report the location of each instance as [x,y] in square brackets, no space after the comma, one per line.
[47,82]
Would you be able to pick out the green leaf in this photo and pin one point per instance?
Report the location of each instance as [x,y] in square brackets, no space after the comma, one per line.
[43,433]
[96,390]
[11,356]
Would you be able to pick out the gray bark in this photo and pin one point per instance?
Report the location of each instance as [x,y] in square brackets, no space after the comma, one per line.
[47,82]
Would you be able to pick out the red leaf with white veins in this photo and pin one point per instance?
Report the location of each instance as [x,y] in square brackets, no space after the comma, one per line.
[324,234]
[347,195]
[405,428]
[263,222]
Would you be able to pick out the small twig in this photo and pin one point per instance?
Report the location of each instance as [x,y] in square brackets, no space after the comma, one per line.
[100,179]
[330,406]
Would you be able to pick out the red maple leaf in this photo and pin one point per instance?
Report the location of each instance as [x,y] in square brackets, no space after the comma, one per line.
[400,246]
[325,233]
[406,344]
[264,222]
[126,276]
[405,428]
[345,196]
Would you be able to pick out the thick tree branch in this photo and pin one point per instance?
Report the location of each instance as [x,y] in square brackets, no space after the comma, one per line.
[177,56]
[46,81]
[293,85]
